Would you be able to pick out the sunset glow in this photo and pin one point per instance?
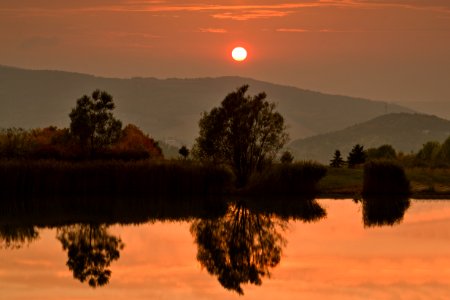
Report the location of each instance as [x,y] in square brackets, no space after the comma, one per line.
[239,54]
[320,45]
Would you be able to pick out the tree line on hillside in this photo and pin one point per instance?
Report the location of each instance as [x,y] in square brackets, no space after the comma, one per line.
[432,154]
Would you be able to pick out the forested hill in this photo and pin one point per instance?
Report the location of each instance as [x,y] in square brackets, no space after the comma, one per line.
[405,132]
[170,107]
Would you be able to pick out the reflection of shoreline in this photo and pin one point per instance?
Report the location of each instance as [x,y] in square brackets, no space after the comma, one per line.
[54,212]
[246,233]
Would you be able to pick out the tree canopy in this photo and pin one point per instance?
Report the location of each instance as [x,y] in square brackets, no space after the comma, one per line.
[244,132]
[93,123]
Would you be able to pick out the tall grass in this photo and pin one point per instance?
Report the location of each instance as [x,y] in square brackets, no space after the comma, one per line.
[287,179]
[385,177]
[111,178]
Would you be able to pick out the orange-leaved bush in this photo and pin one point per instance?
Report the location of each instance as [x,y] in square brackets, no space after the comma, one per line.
[134,144]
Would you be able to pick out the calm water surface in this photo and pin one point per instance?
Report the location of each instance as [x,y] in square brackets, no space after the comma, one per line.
[351,253]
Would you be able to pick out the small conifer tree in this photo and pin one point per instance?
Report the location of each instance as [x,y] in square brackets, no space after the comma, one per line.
[337,160]
[184,152]
[357,156]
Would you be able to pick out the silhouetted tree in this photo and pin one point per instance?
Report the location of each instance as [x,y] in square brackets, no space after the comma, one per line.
[286,157]
[245,132]
[337,160]
[92,122]
[357,156]
[238,248]
[90,251]
[184,152]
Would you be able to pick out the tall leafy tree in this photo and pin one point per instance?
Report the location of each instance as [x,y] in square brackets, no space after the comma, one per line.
[93,123]
[244,132]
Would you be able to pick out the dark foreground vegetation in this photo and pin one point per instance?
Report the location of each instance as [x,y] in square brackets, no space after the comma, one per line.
[112,178]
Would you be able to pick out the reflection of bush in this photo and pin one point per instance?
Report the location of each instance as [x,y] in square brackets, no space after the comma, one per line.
[238,248]
[90,251]
[14,237]
[387,210]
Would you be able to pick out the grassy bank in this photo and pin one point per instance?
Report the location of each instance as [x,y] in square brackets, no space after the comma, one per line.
[348,183]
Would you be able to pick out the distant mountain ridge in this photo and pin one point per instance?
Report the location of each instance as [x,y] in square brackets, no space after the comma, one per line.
[405,132]
[170,107]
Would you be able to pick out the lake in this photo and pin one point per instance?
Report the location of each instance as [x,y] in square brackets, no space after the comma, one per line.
[322,249]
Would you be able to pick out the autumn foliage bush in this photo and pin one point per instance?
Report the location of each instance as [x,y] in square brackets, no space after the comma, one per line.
[55,143]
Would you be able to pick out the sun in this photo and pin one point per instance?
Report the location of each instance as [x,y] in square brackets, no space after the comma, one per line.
[239,54]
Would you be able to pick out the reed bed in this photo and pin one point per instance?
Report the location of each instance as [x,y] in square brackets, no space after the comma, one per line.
[111,178]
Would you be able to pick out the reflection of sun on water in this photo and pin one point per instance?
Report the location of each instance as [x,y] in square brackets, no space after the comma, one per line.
[239,54]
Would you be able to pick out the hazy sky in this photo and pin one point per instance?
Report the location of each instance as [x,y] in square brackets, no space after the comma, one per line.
[389,50]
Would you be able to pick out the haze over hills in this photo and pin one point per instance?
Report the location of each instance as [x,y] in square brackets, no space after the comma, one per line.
[405,132]
[170,107]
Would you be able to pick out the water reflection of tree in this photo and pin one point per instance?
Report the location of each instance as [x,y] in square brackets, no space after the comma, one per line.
[387,210]
[14,237]
[90,250]
[239,247]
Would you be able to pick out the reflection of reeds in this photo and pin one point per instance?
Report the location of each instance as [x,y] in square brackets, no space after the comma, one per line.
[57,211]
[287,179]
[385,178]
[111,178]
[16,236]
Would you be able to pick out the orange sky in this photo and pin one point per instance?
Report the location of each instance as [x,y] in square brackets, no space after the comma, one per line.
[389,50]
[334,258]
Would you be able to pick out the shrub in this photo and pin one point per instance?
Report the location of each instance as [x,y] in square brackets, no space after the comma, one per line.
[384,177]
